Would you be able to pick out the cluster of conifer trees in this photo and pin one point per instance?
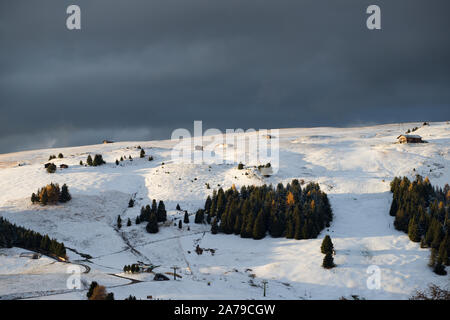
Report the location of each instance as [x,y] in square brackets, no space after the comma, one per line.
[51,194]
[285,211]
[327,248]
[134,268]
[98,160]
[152,215]
[15,236]
[422,211]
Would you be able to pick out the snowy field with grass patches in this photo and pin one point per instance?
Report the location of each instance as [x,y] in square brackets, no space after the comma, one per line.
[354,166]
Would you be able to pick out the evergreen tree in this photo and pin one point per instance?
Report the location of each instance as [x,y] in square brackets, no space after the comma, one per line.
[152,225]
[89,160]
[98,160]
[93,285]
[327,245]
[142,154]
[259,230]
[65,195]
[161,212]
[214,227]
[413,230]
[199,216]
[186,217]
[178,207]
[131,203]
[44,197]
[180,225]
[128,222]
[328,261]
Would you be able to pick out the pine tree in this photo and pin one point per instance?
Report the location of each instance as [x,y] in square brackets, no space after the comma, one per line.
[259,229]
[327,245]
[237,225]
[98,160]
[152,225]
[65,195]
[443,251]
[89,160]
[138,220]
[328,261]
[128,222]
[439,269]
[180,225]
[214,227]
[119,222]
[44,197]
[131,203]
[93,285]
[413,230]
[142,154]
[186,217]
[178,207]
[161,212]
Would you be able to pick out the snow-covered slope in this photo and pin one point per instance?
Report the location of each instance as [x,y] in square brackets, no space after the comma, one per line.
[353,165]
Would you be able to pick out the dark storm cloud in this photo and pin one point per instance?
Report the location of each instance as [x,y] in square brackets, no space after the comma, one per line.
[138,69]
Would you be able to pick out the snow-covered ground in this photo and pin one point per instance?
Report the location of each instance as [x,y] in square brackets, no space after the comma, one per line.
[353,165]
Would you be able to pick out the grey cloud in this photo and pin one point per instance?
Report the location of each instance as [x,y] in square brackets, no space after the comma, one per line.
[161,64]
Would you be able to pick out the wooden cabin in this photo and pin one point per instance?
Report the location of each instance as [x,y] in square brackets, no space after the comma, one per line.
[409,138]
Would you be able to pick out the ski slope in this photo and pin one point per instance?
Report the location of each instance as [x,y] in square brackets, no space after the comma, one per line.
[352,165]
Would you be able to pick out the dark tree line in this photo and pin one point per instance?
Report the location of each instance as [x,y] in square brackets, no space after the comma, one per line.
[15,236]
[152,215]
[422,211]
[285,211]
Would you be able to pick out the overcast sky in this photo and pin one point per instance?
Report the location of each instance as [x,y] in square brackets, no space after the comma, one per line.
[140,68]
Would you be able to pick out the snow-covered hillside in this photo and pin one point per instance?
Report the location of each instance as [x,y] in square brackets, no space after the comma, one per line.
[352,165]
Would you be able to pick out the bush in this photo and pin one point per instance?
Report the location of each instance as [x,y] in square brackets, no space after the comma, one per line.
[432,293]
[100,293]
[60,156]
[51,168]
[240,166]
[131,203]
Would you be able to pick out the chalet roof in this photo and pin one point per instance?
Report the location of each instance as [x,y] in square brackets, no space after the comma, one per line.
[411,136]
